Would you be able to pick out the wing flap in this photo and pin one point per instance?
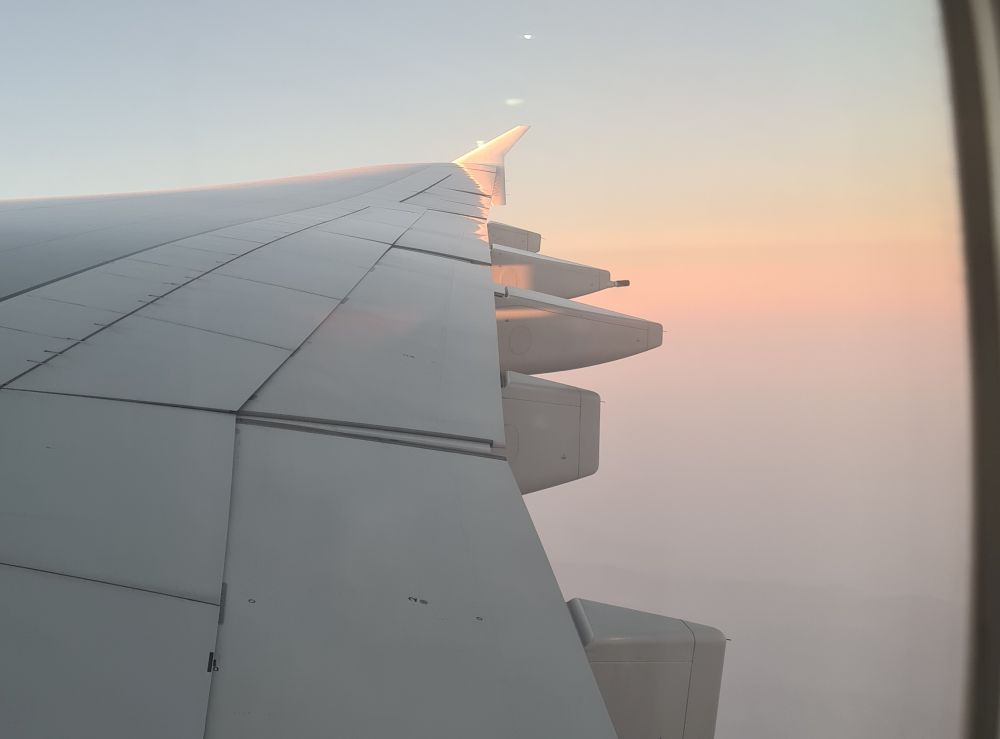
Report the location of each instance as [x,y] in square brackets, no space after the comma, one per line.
[406,351]
[409,596]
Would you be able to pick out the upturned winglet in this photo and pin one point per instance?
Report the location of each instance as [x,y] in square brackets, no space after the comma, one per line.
[491,154]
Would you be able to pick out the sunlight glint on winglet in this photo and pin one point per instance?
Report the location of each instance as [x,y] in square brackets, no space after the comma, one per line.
[491,154]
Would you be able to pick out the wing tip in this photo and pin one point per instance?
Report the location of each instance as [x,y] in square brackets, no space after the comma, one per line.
[493,151]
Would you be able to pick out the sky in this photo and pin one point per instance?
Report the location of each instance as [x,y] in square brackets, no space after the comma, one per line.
[775,178]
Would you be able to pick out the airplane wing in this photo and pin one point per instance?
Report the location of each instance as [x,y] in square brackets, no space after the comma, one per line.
[256,476]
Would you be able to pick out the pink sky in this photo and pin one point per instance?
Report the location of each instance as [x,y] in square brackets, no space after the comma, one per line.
[792,465]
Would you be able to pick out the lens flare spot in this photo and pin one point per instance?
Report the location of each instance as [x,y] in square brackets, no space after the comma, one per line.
[527,36]
[514,101]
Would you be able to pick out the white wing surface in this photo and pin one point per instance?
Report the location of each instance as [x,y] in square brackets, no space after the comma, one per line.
[254,470]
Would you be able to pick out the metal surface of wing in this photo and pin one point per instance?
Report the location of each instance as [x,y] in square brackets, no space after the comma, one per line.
[255,480]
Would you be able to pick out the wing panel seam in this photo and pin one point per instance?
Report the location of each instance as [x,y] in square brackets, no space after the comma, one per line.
[188,236]
[174,289]
[108,582]
[365,437]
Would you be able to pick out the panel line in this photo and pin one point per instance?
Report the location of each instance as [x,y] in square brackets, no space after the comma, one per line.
[362,437]
[108,582]
[188,236]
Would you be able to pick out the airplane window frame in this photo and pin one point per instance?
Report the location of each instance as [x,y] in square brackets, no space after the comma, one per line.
[972,38]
